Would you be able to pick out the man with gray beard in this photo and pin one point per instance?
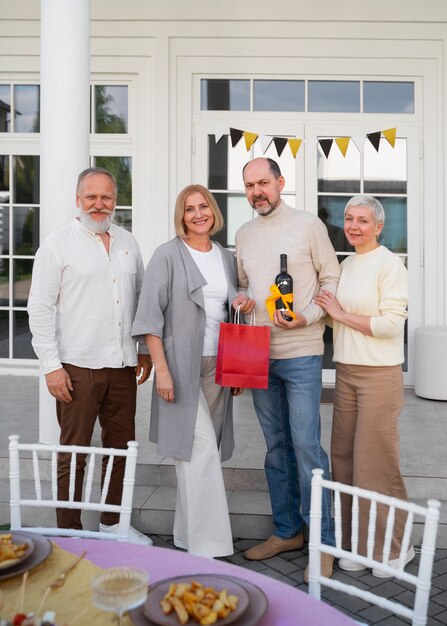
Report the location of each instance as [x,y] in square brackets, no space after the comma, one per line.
[86,282]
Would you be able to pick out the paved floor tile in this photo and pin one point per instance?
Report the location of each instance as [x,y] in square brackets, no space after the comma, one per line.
[354,607]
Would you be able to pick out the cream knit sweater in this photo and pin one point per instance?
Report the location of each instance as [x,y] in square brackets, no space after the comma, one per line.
[373,284]
[311,261]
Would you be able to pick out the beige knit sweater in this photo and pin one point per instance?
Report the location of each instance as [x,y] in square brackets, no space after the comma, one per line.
[311,261]
[375,284]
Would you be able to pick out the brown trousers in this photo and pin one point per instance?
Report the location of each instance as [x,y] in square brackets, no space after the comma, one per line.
[108,394]
[365,446]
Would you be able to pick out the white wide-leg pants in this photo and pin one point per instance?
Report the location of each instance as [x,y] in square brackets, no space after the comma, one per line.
[202,521]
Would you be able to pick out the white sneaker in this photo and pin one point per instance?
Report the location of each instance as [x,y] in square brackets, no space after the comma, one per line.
[394,563]
[350,566]
[134,535]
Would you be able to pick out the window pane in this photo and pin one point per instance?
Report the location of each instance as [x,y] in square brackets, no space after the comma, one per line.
[4,282]
[331,213]
[388,97]
[218,162]
[334,95]
[394,233]
[123,217]
[5,108]
[121,168]
[236,211]
[225,163]
[22,269]
[4,179]
[385,171]
[224,95]
[111,109]
[4,330]
[338,173]
[25,171]
[278,95]
[26,230]
[4,230]
[26,108]
[22,348]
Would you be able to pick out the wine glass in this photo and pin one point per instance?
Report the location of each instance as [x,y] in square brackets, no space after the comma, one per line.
[119,589]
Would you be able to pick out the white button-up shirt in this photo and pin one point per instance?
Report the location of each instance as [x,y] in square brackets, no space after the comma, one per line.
[82,300]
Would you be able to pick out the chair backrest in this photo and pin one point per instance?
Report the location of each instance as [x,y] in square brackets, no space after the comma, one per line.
[422,581]
[93,498]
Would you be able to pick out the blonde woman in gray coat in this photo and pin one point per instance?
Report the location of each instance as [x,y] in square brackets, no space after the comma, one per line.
[188,285]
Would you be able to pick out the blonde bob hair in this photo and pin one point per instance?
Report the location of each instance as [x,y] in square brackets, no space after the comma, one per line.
[180,210]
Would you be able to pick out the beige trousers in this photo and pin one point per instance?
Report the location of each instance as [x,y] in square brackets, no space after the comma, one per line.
[202,521]
[365,446]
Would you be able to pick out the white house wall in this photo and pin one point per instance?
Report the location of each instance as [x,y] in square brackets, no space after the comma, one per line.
[159,47]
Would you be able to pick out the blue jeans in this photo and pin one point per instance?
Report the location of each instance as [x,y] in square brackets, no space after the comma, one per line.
[289,414]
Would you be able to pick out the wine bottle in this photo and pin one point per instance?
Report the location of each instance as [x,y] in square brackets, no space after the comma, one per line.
[284,282]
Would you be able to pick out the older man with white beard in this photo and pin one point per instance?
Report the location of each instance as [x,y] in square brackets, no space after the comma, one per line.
[86,282]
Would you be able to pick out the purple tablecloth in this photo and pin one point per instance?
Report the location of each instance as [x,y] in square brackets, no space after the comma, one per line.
[287,606]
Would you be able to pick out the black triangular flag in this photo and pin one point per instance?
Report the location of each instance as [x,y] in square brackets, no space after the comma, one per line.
[236,135]
[326,145]
[280,144]
[375,139]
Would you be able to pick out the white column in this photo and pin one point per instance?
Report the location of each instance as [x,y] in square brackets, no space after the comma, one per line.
[64,133]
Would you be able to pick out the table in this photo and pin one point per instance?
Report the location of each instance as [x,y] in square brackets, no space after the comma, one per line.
[287,606]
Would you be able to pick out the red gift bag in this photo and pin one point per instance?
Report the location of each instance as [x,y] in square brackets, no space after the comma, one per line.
[243,355]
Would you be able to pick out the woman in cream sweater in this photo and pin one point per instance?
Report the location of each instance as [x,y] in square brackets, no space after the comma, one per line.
[369,314]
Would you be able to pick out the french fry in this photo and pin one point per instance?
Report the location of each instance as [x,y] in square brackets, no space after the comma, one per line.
[211,618]
[202,604]
[232,601]
[9,551]
[182,613]
[166,606]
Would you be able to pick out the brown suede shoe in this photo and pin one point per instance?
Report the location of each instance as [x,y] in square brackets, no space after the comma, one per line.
[327,567]
[273,546]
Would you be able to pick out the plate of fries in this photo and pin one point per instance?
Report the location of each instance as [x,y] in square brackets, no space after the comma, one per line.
[201,599]
[14,548]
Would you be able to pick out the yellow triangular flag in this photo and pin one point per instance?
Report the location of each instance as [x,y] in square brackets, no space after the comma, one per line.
[250,138]
[390,136]
[295,145]
[343,143]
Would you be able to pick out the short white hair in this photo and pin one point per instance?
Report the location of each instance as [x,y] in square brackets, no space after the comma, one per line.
[370,202]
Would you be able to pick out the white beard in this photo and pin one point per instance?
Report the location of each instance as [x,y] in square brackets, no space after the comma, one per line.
[95,226]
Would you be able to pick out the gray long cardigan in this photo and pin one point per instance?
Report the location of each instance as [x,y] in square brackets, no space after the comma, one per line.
[171,307]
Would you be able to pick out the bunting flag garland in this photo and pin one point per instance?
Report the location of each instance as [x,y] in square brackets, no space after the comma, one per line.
[375,139]
[221,131]
[359,141]
[265,142]
[295,145]
[280,144]
[250,138]
[342,143]
[326,145]
[235,135]
[390,136]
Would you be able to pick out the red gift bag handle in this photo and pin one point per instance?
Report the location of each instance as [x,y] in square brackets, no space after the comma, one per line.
[237,316]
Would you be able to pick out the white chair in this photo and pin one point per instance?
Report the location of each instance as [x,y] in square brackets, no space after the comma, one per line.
[89,501]
[422,581]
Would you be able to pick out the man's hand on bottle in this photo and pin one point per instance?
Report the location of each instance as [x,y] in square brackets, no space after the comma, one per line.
[299,322]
